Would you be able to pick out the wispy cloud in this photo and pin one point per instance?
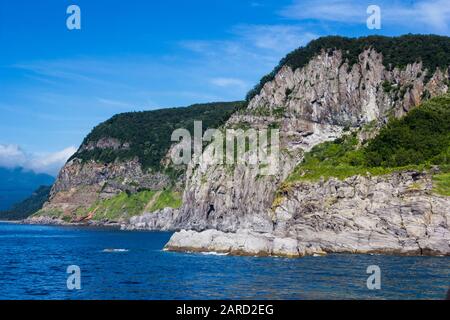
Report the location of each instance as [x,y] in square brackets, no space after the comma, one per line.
[254,41]
[430,15]
[114,103]
[276,38]
[250,52]
[330,10]
[51,163]
[256,4]
[229,82]
[12,156]
[58,69]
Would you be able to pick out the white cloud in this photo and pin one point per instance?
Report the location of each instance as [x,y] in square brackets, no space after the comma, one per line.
[256,4]
[435,14]
[278,38]
[432,16]
[254,41]
[114,103]
[12,156]
[229,82]
[51,163]
[331,10]
[239,62]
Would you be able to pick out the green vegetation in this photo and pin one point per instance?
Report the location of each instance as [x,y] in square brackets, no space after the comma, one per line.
[432,50]
[149,132]
[279,112]
[341,159]
[417,141]
[422,136]
[50,213]
[126,205]
[387,86]
[166,199]
[27,207]
[123,205]
[441,184]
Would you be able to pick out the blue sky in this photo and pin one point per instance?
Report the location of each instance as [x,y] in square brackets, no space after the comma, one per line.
[56,84]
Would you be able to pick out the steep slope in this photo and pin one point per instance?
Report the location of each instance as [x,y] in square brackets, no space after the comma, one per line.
[327,93]
[122,164]
[348,176]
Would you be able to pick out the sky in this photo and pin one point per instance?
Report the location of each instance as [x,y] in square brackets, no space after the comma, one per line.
[56,84]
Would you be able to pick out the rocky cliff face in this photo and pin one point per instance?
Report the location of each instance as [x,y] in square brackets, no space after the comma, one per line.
[311,105]
[328,90]
[314,105]
[394,214]
[80,184]
[231,207]
[123,165]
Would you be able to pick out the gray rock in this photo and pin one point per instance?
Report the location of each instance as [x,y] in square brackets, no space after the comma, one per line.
[159,220]
[360,214]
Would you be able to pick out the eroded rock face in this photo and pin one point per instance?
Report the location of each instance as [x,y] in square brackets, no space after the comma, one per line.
[228,208]
[327,90]
[396,213]
[162,220]
[392,214]
[80,184]
[311,105]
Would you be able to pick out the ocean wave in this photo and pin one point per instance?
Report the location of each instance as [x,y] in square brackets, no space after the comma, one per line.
[213,253]
[115,250]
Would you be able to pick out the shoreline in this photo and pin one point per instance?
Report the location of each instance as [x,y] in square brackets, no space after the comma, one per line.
[249,243]
[60,223]
[242,243]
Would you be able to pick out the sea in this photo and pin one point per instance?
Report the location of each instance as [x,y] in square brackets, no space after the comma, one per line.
[84,263]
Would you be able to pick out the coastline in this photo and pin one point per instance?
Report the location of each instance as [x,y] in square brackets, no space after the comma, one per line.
[248,243]
[46,221]
[241,243]
[11,221]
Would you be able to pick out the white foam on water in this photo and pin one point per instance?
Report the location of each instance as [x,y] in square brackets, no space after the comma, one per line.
[115,250]
[212,253]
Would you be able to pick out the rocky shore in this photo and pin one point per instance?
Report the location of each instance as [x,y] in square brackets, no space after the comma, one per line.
[391,214]
[162,220]
[243,242]
[240,209]
[53,221]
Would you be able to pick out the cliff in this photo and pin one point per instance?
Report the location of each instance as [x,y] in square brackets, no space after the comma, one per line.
[362,163]
[121,168]
[322,100]
[392,214]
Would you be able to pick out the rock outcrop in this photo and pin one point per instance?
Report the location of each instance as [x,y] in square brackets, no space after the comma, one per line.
[128,153]
[80,184]
[392,214]
[230,208]
[311,105]
[161,220]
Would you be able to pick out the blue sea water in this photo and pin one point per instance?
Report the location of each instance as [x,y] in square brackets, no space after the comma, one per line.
[131,265]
